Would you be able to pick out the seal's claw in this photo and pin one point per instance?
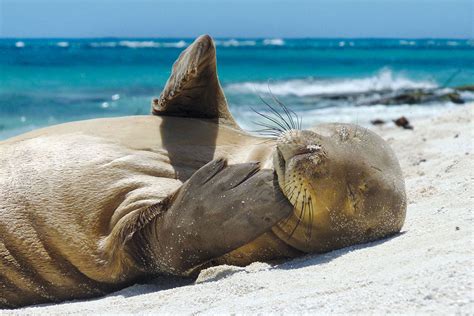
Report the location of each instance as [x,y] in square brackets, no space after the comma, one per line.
[209,170]
[236,205]
[235,175]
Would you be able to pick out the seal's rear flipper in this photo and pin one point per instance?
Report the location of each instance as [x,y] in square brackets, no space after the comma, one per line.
[193,90]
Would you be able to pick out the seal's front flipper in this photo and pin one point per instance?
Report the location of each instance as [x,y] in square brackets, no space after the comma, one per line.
[193,90]
[219,209]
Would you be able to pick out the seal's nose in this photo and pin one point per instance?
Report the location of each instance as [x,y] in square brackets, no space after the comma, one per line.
[288,144]
[300,142]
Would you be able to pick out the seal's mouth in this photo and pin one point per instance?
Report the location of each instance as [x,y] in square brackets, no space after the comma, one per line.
[280,161]
[299,224]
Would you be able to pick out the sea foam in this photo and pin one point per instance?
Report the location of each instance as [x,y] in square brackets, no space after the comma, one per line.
[179,44]
[139,44]
[235,43]
[274,42]
[361,115]
[63,44]
[383,81]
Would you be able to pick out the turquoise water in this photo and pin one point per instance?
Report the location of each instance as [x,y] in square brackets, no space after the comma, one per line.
[45,82]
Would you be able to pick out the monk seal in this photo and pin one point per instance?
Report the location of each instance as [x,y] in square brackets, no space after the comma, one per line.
[90,207]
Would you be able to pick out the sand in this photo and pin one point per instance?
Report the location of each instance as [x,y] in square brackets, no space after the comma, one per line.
[428,268]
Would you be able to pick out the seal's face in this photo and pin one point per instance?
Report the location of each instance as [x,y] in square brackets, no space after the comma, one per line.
[345,188]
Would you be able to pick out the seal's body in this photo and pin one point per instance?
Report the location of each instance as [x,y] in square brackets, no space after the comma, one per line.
[90,207]
[64,191]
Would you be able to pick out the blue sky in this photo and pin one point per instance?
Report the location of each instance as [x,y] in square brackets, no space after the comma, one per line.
[238,18]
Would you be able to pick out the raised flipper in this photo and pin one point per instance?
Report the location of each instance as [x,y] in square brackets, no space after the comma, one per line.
[193,89]
[219,209]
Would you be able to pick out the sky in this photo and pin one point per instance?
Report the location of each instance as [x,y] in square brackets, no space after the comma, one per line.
[237,18]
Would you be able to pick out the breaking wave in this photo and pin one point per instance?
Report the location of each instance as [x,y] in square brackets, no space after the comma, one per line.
[268,43]
[273,42]
[139,44]
[385,80]
[63,44]
[235,43]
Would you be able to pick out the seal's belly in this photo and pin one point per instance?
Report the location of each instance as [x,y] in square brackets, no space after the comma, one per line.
[59,195]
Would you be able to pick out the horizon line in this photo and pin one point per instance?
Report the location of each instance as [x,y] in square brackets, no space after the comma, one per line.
[235,37]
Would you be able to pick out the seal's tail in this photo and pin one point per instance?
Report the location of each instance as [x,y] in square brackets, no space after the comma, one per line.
[193,89]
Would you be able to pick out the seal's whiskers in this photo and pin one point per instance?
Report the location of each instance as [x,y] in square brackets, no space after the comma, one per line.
[300,217]
[279,119]
[309,223]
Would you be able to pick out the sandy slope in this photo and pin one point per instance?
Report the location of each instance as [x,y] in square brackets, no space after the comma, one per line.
[427,268]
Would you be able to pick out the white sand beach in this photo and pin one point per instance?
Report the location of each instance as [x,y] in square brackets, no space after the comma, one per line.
[428,268]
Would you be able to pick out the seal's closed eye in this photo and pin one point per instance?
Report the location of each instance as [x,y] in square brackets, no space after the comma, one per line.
[337,192]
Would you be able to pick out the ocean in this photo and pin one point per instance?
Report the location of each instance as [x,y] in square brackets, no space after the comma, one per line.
[50,81]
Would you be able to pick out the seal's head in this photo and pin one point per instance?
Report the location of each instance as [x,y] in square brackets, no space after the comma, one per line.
[345,184]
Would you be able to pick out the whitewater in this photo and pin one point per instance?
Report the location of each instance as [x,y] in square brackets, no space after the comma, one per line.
[50,81]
